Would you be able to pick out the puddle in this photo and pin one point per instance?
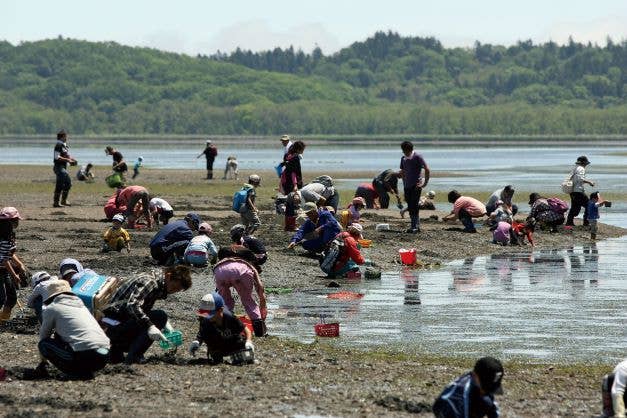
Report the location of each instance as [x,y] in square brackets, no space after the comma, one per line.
[547,305]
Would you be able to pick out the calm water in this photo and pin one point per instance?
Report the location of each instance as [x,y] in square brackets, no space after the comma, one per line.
[546,305]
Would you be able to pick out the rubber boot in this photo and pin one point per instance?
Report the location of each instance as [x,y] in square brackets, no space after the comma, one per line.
[64,201]
[210,175]
[55,203]
[5,314]
[259,327]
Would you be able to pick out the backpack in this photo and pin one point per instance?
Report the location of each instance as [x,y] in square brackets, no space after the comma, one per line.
[331,254]
[324,180]
[557,205]
[239,198]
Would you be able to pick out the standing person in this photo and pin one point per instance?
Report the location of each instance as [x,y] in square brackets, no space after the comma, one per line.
[593,212]
[61,159]
[160,210]
[464,208]
[136,166]
[249,213]
[10,264]
[210,152]
[504,195]
[85,174]
[130,197]
[286,142]
[70,337]
[387,182]
[118,165]
[472,394]
[292,176]
[578,198]
[412,165]
[172,240]
[134,325]
[222,332]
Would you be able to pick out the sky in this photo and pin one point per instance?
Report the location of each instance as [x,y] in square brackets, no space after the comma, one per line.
[204,27]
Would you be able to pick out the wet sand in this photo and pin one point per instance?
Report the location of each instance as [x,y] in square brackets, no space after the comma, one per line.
[291,378]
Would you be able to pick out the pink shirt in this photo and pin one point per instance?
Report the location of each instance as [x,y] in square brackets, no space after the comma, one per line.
[474,207]
[127,192]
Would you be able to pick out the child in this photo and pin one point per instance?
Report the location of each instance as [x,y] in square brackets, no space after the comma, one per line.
[116,237]
[503,233]
[351,214]
[292,204]
[502,213]
[223,333]
[248,211]
[85,174]
[160,210]
[9,262]
[593,212]
[138,163]
[201,250]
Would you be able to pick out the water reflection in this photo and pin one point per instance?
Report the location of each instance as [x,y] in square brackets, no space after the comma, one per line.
[558,305]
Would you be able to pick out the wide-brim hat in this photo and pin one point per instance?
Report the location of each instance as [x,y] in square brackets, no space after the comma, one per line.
[55,288]
[310,207]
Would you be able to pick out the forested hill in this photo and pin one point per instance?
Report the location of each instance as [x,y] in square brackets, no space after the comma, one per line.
[385,85]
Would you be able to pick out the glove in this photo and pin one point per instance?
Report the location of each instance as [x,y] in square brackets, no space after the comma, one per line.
[193,347]
[155,335]
[168,327]
[248,346]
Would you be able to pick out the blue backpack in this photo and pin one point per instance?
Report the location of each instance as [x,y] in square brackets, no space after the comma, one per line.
[239,198]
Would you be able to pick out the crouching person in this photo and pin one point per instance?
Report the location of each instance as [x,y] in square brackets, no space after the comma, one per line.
[70,338]
[350,257]
[220,330]
[132,323]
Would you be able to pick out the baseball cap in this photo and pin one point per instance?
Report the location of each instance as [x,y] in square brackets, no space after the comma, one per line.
[119,217]
[209,305]
[57,287]
[310,207]
[9,212]
[69,265]
[490,373]
[193,218]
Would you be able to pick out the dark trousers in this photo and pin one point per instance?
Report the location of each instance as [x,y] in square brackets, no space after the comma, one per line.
[8,293]
[80,363]
[412,197]
[384,198]
[466,220]
[64,182]
[218,347]
[131,337]
[166,258]
[577,201]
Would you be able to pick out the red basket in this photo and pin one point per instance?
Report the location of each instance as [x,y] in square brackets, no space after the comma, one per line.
[327,330]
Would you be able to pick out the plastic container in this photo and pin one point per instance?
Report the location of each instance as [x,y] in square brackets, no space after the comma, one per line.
[365,243]
[327,330]
[246,321]
[246,356]
[175,339]
[408,256]
[382,227]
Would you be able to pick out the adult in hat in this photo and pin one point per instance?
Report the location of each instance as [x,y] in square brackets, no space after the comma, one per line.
[472,394]
[222,332]
[210,152]
[578,197]
[172,240]
[133,323]
[318,230]
[350,257]
[61,158]
[70,337]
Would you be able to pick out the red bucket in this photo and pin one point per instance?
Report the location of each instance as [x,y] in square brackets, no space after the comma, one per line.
[327,330]
[408,257]
[246,321]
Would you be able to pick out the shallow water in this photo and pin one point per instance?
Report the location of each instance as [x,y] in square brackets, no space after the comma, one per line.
[544,305]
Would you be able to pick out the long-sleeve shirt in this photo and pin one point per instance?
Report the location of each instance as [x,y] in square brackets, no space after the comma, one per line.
[60,150]
[388,180]
[172,235]
[40,291]
[68,317]
[124,197]
[618,387]
[111,235]
[541,211]
[412,167]
[578,175]
[202,244]
[328,224]
[462,399]
[136,297]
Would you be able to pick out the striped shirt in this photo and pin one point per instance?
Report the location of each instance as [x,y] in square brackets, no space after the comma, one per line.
[7,248]
[136,297]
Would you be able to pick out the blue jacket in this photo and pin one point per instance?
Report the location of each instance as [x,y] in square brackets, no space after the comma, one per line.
[462,399]
[172,235]
[330,227]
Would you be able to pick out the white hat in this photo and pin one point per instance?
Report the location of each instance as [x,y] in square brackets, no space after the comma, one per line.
[40,277]
[119,217]
[208,141]
[431,194]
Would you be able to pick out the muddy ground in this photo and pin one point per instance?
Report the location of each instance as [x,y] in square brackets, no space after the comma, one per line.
[291,378]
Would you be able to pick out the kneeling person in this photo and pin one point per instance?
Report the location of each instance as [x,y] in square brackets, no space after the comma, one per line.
[223,333]
[70,338]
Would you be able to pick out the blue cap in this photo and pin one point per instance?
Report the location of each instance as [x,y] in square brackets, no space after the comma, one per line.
[209,305]
[193,218]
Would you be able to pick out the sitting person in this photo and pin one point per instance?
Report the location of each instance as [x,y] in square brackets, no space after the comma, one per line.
[543,214]
[201,250]
[319,229]
[351,215]
[472,394]
[504,195]
[370,195]
[242,275]
[133,325]
[350,256]
[465,208]
[160,210]
[70,337]
[39,283]
[116,237]
[170,242]
[222,332]
[85,174]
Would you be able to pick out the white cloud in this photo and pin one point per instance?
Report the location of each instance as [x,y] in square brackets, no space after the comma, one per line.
[595,31]
[257,35]
[166,40]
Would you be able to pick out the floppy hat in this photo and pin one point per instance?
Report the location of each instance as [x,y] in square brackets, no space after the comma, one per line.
[357,228]
[56,288]
[209,305]
[9,212]
[310,207]
[40,277]
[69,265]
[490,373]
[582,160]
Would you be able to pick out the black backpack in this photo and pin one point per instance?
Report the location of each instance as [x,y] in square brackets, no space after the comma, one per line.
[331,254]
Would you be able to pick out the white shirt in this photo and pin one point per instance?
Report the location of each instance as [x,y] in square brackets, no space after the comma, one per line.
[618,387]
[579,174]
[158,204]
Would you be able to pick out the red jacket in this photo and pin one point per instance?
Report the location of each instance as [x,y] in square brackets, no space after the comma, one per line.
[351,252]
